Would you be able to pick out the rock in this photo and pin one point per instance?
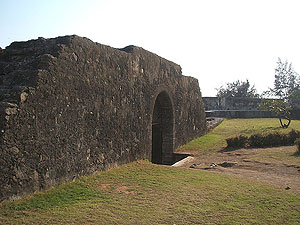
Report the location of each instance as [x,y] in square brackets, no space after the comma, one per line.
[14,150]
[23,97]
[8,105]
[11,111]
[213,165]
[193,165]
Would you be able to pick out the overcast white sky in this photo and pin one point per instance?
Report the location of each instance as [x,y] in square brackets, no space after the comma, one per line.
[216,41]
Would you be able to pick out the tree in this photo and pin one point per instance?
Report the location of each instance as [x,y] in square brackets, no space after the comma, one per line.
[286,81]
[295,94]
[280,108]
[237,89]
[286,88]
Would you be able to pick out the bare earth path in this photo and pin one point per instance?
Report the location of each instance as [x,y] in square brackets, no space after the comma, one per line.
[278,166]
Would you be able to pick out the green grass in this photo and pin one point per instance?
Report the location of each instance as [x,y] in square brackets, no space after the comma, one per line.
[61,196]
[286,156]
[215,140]
[144,193]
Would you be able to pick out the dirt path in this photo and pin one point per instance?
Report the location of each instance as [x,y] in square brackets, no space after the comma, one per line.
[278,166]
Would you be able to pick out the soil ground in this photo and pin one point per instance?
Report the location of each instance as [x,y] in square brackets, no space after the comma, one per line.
[278,166]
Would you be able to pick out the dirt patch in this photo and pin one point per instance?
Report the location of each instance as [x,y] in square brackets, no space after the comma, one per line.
[117,189]
[278,166]
[104,187]
[124,190]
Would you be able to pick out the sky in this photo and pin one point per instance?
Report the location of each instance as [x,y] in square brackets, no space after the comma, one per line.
[215,41]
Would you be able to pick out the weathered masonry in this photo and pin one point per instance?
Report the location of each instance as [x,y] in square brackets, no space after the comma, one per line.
[70,107]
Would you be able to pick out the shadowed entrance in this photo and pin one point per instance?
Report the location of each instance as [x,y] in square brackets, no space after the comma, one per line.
[162,130]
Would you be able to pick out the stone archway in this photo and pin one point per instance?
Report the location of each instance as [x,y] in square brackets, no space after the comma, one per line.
[162,130]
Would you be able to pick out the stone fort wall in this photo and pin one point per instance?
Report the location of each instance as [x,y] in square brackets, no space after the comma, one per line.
[231,103]
[238,103]
[241,107]
[70,107]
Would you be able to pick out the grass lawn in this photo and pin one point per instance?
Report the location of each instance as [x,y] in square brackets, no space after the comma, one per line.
[144,193]
[286,157]
[233,127]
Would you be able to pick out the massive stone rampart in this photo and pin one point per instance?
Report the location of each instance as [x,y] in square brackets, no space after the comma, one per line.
[70,107]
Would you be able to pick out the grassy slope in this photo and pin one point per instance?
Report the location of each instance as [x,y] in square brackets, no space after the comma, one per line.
[232,127]
[143,193]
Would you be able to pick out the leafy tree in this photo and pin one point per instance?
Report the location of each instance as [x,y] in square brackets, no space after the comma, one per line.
[295,94]
[286,81]
[280,108]
[237,89]
[286,88]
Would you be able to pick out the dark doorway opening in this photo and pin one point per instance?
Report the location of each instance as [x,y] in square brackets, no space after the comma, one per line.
[162,130]
[157,140]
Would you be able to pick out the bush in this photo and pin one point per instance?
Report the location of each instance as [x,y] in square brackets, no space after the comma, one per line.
[256,140]
[285,140]
[293,135]
[297,142]
[277,139]
[272,139]
[264,140]
[269,140]
[237,142]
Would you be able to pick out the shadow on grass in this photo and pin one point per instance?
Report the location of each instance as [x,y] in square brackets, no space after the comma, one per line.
[229,149]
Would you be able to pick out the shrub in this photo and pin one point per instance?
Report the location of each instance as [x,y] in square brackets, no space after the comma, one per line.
[273,139]
[237,142]
[297,142]
[256,140]
[276,139]
[293,135]
[264,140]
[285,140]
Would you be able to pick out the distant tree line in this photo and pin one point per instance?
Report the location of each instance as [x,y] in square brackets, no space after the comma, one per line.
[237,89]
[285,89]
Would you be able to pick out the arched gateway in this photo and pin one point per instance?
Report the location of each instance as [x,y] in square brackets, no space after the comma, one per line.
[162,130]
